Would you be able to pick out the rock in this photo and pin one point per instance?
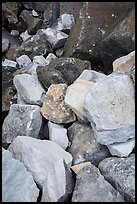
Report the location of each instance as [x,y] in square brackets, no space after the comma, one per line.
[15,33]
[50,57]
[58,134]
[40,60]
[34,13]
[17,181]
[125,63]
[121,173]
[76,168]
[24,84]
[14,52]
[90,75]
[62,70]
[14,41]
[92,187]
[37,6]
[5,45]
[54,107]
[94,23]
[132,74]
[112,96]
[23,61]
[64,23]
[57,39]
[21,120]
[52,172]
[120,42]
[25,36]
[84,146]
[9,64]
[75,96]
[122,149]
[59,52]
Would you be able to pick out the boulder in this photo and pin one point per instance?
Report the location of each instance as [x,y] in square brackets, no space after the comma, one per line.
[121,173]
[84,146]
[58,134]
[92,187]
[21,120]
[23,61]
[113,97]
[48,163]
[25,36]
[54,107]
[5,45]
[29,89]
[17,181]
[40,60]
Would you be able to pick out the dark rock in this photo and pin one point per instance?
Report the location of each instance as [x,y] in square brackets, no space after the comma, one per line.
[120,172]
[37,6]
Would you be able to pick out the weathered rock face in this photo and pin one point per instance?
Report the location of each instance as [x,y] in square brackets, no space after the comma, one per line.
[23,61]
[84,146]
[52,170]
[37,6]
[54,107]
[16,181]
[92,26]
[119,43]
[29,89]
[21,120]
[112,97]
[121,173]
[92,187]
[62,70]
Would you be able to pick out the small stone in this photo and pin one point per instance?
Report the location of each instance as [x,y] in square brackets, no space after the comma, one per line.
[14,33]
[76,168]
[34,13]
[25,36]
[40,60]
[5,45]
[23,61]
[9,63]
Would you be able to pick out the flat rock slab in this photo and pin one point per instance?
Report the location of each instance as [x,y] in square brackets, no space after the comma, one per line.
[92,187]
[121,173]
[17,183]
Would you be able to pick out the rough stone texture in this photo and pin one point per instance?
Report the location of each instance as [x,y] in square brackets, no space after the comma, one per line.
[122,149]
[75,96]
[37,6]
[59,52]
[14,33]
[5,45]
[110,108]
[76,168]
[54,107]
[84,146]
[9,63]
[17,183]
[92,187]
[29,89]
[39,60]
[48,163]
[21,120]
[64,23]
[14,52]
[50,57]
[132,74]
[120,42]
[121,173]
[95,22]
[58,134]
[25,36]
[62,70]
[55,38]
[23,61]
[125,63]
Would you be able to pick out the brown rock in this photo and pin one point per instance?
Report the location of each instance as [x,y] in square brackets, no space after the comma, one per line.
[76,168]
[54,107]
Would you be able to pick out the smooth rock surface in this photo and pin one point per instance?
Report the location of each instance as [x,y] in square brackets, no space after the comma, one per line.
[48,163]
[121,173]
[17,183]
[58,134]
[54,107]
[29,89]
[21,120]
[92,187]
[112,97]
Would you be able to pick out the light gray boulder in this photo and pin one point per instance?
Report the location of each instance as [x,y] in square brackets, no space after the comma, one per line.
[5,44]
[48,163]
[92,187]
[23,61]
[121,173]
[17,183]
[29,89]
[9,63]
[40,60]
[15,33]
[25,36]
[21,120]
[58,134]
[110,107]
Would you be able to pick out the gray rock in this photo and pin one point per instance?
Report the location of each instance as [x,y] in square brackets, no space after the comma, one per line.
[58,134]
[23,61]
[122,149]
[49,165]
[15,33]
[59,52]
[37,6]
[40,60]
[84,146]
[34,13]
[21,120]
[56,38]
[25,36]
[92,187]
[121,173]
[5,45]
[113,97]
[64,23]
[17,183]
[9,63]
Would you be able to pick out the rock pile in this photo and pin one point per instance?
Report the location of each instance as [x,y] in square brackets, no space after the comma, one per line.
[68,102]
